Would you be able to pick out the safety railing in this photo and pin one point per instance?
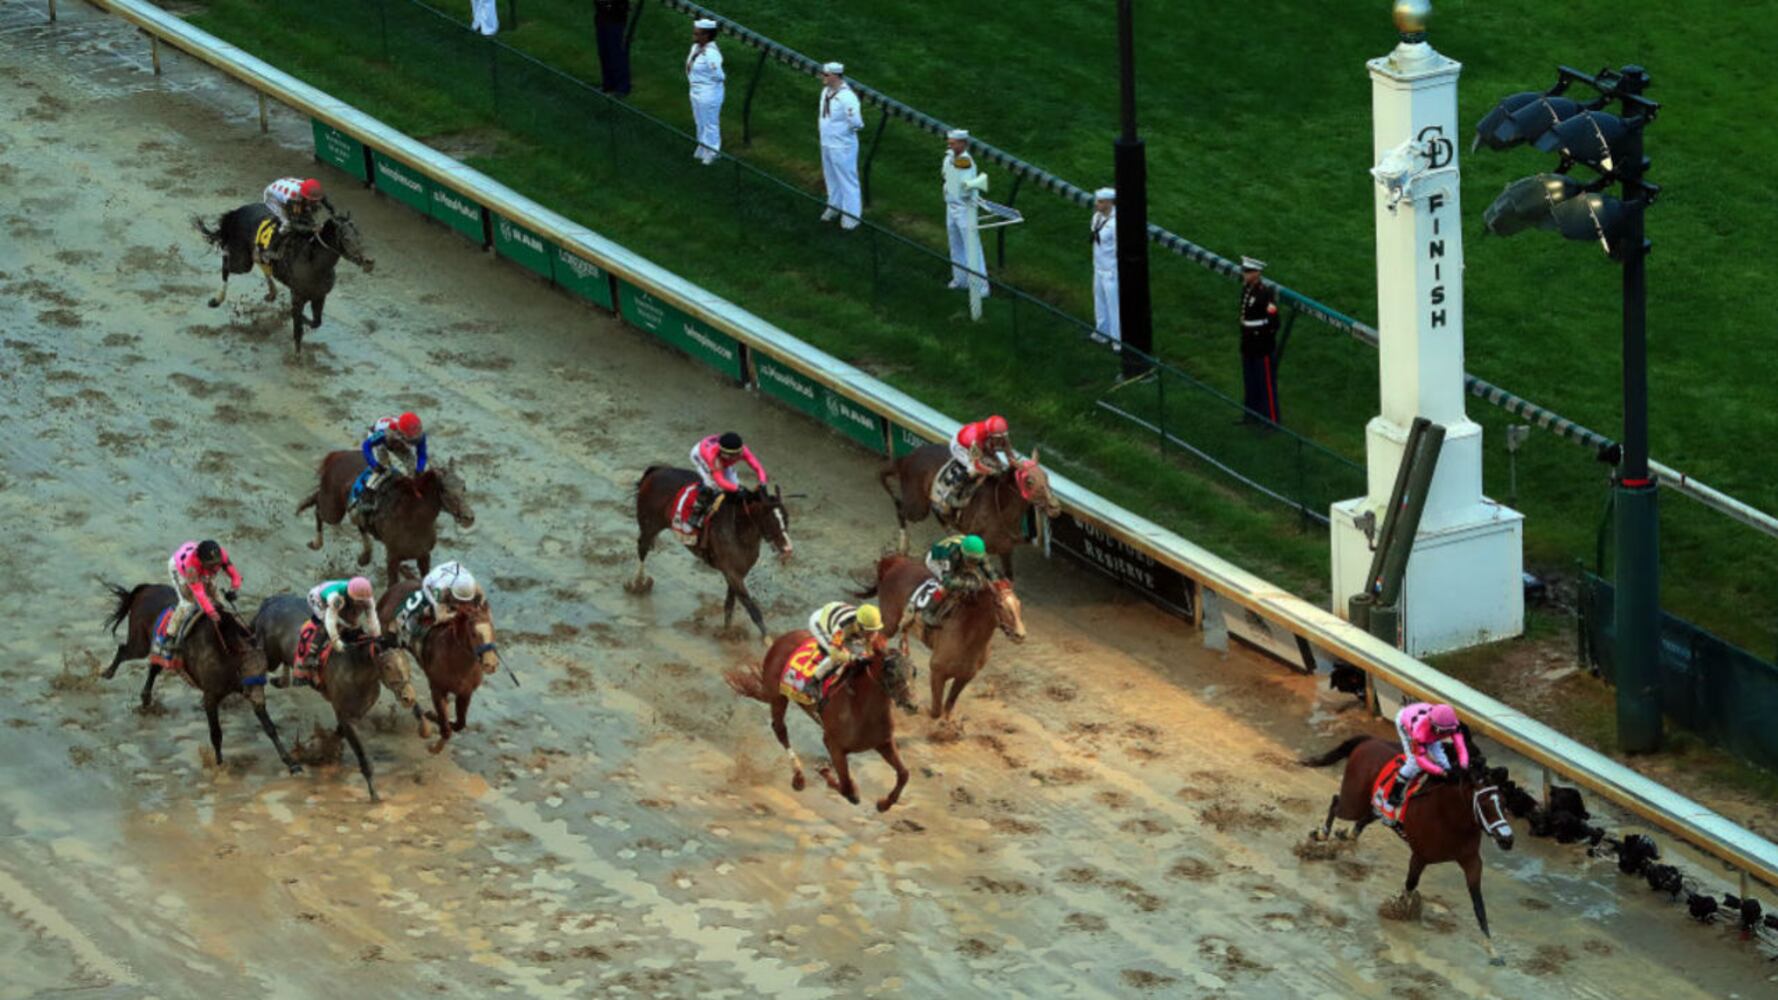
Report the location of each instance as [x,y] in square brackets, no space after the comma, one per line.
[879,417]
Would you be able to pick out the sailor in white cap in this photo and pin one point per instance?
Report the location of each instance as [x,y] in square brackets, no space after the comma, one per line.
[1259,344]
[1105,315]
[703,70]
[839,120]
[483,17]
[963,184]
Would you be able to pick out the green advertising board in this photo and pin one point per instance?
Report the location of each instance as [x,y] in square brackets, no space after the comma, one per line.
[522,246]
[339,149]
[790,387]
[458,212]
[903,441]
[694,337]
[403,183]
[853,421]
[581,276]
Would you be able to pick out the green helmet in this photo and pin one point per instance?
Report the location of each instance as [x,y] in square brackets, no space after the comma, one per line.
[973,547]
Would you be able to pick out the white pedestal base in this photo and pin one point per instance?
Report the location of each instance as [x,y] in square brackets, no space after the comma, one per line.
[1465,580]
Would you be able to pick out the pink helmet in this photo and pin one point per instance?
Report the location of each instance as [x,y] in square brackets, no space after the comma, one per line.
[359,590]
[1443,718]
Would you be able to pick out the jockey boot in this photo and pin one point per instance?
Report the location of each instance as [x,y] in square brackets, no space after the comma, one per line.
[1397,788]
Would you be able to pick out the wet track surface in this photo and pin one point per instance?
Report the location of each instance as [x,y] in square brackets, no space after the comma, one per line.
[1113,815]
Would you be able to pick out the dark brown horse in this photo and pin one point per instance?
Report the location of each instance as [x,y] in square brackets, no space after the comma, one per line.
[305,263]
[1444,821]
[220,659]
[455,655]
[855,718]
[404,511]
[996,512]
[731,536]
[355,670]
[959,644]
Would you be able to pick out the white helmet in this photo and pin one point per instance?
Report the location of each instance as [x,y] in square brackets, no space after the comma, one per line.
[463,586]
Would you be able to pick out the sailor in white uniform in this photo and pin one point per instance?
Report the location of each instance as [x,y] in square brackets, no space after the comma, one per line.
[703,71]
[839,120]
[1104,225]
[963,184]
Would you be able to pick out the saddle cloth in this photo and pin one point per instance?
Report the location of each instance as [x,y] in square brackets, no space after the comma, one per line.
[683,503]
[921,599]
[305,642]
[798,682]
[952,487]
[164,649]
[263,237]
[1380,791]
[409,620]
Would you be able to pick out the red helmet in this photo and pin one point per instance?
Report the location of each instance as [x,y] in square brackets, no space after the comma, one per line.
[408,424]
[310,189]
[995,424]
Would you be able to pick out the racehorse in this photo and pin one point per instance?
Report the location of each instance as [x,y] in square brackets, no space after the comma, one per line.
[731,534]
[855,717]
[455,656]
[220,659]
[355,668]
[959,643]
[306,258]
[1443,821]
[996,512]
[403,514]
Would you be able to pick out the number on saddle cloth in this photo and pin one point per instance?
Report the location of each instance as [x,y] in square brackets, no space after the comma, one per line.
[952,486]
[407,620]
[798,682]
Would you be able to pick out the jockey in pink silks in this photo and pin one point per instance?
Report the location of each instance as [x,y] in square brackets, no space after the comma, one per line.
[714,459]
[192,569]
[1424,729]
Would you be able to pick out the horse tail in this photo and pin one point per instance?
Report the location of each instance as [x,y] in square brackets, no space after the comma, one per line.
[125,600]
[1340,752]
[212,236]
[884,475]
[748,683]
[309,501]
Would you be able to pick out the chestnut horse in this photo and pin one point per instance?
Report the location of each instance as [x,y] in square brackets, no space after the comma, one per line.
[355,668]
[404,515]
[220,659]
[731,535]
[455,656]
[959,644]
[855,717]
[1444,821]
[996,512]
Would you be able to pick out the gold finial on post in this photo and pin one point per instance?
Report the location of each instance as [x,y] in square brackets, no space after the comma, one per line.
[1410,19]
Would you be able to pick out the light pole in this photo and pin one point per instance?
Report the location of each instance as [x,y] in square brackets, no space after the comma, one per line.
[1611,145]
[1134,311]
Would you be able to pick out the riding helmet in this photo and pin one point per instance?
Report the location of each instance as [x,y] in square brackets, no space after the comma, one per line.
[869,618]
[358,589]
[310,189]
[408,424]
[997,424]
[1444,718]
[209,553]
[973,547]
[730,443]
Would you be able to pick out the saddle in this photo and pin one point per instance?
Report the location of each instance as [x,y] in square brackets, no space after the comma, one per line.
[684,503]
[1380,792]
[798,681]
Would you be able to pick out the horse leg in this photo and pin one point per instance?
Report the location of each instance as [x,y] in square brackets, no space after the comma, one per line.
[216,299]
[351,736]
[462,710]
[443,720]
[1326,830]
[779,704]
[938,692]
[728,608]
[210,707]
[271,732]
[738,589]
[271,287]
[1472,874]
[957,686]
[315,313]
[642,583]
[1006,564]
[364,550]
[839,777]
[154,671]
[892,756]
[123,651]
[296,322]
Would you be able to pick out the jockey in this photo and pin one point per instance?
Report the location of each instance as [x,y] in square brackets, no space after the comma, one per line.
[193,568]
[390,439]
[334,603]
[446,589]
[1424,729]
[843,633]
[978,451]
[293,202]
[714,458]
[960,561]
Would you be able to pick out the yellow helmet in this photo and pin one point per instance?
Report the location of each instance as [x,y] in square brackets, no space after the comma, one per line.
[870,619]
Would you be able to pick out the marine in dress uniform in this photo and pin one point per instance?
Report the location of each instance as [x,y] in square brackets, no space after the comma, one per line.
[963,184]
[1259,342]
[1104,226]
[839,119]
[703,71]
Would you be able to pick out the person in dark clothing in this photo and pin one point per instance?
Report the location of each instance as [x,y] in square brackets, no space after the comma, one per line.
[1259,343]
[610,17]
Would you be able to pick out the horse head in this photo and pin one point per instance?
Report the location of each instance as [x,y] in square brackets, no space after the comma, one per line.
[452,494]
[770,516]
[896,674]
[1034,486]
[1487,803]
[478,620]
[341,234]
[1008,612]
[395,673]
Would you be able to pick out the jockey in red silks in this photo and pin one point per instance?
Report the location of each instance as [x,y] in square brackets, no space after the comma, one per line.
[978,451]
[1424,729]
[714,458]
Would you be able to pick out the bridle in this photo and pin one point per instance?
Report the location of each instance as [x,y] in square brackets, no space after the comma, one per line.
[1497,827]
[318,237]
[751,502]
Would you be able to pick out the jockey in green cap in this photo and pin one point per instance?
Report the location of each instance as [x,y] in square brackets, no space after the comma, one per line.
[960,562]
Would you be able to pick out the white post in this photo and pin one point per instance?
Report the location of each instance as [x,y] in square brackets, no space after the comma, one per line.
[1464,581]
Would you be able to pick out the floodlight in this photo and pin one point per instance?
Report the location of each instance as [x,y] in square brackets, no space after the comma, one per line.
[1496,128]
[1589,137]
[1529,203]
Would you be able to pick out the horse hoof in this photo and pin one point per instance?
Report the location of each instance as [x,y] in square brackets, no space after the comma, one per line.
[364,559]
[883,805]
[799,782]
[296,768]
[853,798]
[215,302]
[641,586]
[436,747]
[1496,960]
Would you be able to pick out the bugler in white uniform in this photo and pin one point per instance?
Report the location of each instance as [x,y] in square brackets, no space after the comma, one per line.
[703,71]
[839,119]
[1105,316]
[963,184]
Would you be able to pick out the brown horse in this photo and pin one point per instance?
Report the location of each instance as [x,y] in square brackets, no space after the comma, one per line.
[404,515]
[996,512]
[959,644]
[731,535]
[355,668]
[455,656]
[220,658]
[1444,821]
[855,717]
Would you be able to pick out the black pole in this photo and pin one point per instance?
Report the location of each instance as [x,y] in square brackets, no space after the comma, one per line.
[1131,164]
[1637,594]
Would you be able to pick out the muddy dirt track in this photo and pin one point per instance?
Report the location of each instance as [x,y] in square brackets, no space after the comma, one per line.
[1113,816]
